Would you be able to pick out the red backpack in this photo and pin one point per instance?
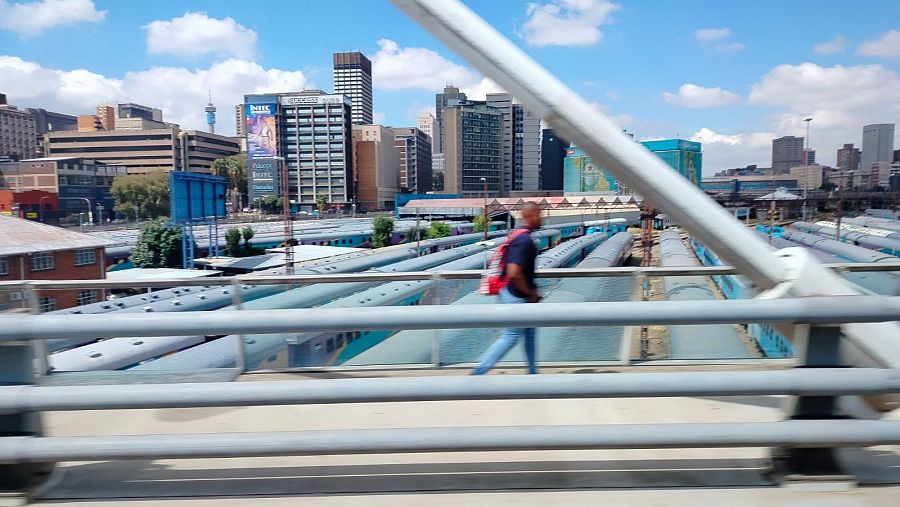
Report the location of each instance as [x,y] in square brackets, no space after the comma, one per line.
[494,278]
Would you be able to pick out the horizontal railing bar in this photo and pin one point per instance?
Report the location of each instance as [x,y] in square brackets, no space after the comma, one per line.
[408,276]
[799,382]
[842,433]
[811,310]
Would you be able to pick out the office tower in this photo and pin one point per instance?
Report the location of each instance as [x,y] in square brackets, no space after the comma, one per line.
[353,78]
[311,130]
[106,116]
[686,157]
[503,102]
[48,121]
[896,155]
[376,163]
[787,152]
[878,145]
[143,150]
[210,111]
[240,121]
[526,150]
[425,123]
[18,138]
[450,97]
[473,150]
[414,147]
[809,157]
[848,158]
[553,151]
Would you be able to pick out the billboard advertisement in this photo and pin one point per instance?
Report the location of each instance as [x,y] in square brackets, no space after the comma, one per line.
[260,131]
[582,175]
[691,166]
[263,178]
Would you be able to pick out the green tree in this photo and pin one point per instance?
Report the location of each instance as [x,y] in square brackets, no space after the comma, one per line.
[235,169]
[233,242]
[247,233]
[382,229]
[438,230]
[322,203]
[142,195]
[416,233]
[478,222]
[158,246]
[269,204]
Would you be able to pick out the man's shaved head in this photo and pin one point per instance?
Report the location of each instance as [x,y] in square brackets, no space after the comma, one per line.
[531,215]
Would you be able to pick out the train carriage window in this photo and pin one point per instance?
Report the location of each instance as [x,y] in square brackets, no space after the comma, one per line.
[329,345]
[317,347]
[340,340]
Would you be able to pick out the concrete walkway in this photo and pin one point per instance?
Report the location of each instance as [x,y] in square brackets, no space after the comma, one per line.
[634,477]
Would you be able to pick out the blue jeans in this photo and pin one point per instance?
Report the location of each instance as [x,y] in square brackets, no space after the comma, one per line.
[508,339]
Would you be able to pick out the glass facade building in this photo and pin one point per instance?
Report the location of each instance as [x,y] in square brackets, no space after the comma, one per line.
[684,156]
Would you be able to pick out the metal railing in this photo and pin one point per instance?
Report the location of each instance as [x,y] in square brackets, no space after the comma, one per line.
[653,271]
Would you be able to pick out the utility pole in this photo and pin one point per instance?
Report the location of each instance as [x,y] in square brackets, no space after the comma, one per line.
[647,215]
[806,170]
[288,220]
[484,216]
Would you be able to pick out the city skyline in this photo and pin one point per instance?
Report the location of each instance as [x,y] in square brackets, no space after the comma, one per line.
[710,73]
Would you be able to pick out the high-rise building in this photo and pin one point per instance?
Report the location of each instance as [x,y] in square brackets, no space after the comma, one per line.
[526,150]
[503,102]
[414,147]
[240,121]
[473,150]
[878,145]
[144,150]
[686,157]
[437,172]
[848,158]
[131,110]
[377,166]
[896,155]
[425,123]
[787,152]
[311,131]
[18,137]
[809,157]
[450,97]
[553,152]
[353,78]
[107,115]
[48,121]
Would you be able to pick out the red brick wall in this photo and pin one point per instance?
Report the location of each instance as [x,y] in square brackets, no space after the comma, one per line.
[64,268]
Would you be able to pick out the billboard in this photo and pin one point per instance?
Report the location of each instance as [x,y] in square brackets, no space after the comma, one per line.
[691,166]
[582,175]
[260,131]
[196,196]
[263,178]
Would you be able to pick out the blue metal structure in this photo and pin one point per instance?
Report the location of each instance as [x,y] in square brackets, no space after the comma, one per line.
[196,199]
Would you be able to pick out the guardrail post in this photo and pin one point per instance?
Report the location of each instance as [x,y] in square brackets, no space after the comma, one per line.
[436,338]
[240,362]
[817,347]
[17,367]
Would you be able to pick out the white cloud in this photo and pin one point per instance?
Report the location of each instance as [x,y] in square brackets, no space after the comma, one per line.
[722,151]
[404,68]
[32,18]
[887,46]
[396,68]
[693,96]
[839,99]
[730,47]
[835,46]
[566,22]
[79,91]
[709,34]
[196,34]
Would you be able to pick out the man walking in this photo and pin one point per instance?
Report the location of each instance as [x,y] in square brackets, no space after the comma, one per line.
[519,272]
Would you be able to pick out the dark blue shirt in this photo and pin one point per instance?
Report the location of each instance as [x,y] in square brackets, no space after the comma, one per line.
[523,253]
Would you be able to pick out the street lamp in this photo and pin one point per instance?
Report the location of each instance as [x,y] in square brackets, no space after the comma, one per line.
[806,169]
[484,223]
[41,207]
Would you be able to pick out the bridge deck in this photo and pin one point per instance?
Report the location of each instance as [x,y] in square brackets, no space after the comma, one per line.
[633,477]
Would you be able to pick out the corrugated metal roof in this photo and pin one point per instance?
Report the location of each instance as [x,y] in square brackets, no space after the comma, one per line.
[19,236]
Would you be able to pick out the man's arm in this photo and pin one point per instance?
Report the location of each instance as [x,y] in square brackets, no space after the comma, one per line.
[514,273]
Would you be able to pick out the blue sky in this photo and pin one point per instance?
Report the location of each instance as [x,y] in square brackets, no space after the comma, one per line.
[732,74]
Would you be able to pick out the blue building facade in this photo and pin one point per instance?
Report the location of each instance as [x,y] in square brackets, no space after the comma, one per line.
[684,156]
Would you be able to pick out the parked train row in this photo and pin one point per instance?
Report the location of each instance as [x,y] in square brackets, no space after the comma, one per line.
[880,240]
